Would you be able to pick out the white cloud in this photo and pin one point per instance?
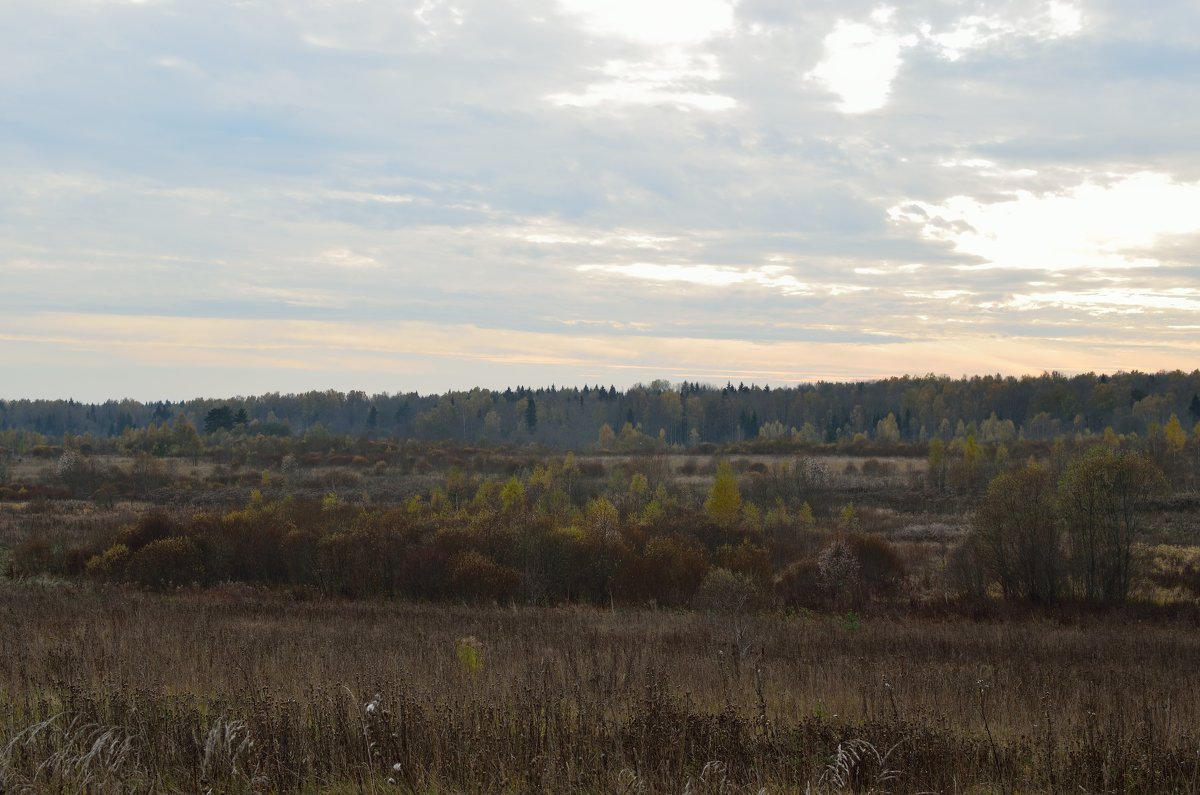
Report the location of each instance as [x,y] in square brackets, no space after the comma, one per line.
[861,61]
[547,232]
[182,65]
[1052,20]
[774,277]
[437,17]
[362,197]
[1065,19]
[675,70]
[1124,301]
[345,258]
[987,168]
[658,22]
[939,295]
[672,77]
[1095,225]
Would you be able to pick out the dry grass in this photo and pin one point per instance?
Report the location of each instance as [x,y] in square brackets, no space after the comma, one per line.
[236,690]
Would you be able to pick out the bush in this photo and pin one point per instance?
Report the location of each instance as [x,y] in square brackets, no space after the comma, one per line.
[477,578]
[110,565]
[880,569]
[151,527]
[873,467]
[167,562]
[966,569]
[32,556]
[799,585]
[725,591]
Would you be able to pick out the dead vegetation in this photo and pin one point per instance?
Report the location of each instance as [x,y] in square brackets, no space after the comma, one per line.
[240,690]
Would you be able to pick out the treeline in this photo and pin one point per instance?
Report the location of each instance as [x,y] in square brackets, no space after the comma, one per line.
[895,410]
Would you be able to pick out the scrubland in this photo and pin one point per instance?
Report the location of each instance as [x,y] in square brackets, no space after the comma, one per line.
[437,619]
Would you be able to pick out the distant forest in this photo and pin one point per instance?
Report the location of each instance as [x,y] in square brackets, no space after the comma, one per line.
[684,415]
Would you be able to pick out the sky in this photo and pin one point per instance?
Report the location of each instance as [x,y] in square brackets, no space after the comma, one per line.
[232,197]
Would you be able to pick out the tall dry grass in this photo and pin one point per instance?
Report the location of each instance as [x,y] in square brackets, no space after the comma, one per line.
[234,690]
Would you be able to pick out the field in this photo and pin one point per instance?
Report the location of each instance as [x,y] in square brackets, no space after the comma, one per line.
[240,690]
[235,681]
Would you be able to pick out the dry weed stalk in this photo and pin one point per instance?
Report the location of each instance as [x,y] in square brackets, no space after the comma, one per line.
[75,756]
[858,766]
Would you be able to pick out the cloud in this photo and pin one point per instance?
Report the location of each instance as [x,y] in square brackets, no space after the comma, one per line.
[1052,20]
[861,61]
[863,58]
[662,22]
[1098,224]
[929,178]
[1116,300]
[774,277]
[345,258]
[675,77]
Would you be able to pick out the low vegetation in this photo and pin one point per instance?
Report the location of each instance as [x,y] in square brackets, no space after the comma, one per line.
[321,613]
[235,689]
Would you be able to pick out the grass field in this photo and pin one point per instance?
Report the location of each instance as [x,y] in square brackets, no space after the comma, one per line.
[291,687]
[236,689]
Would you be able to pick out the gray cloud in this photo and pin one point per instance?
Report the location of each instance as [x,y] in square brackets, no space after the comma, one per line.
[271,160]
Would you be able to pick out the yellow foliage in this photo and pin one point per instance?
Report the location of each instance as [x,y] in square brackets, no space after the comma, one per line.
[724,503]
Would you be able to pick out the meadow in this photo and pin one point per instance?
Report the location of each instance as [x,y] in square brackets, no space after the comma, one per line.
[235,689]
[447,620]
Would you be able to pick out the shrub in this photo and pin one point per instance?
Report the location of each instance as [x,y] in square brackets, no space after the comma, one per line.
[150,527]
[111,564]
[838,568]
[799,585]
[966,568]
[32,556]
[167,562]
[299,550]
[880,569]
[475,577]
[725,591]
[470,654]
[668,571]
[873,467]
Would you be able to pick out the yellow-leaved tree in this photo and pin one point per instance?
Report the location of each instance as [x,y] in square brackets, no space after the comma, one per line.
[1175,434]
[724,503]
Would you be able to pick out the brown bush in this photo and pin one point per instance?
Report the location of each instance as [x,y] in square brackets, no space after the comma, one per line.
[873,467]
[799,585]
[32,556]
[476,578]
[167,562]
[966,569]
[153,526]
[880,568]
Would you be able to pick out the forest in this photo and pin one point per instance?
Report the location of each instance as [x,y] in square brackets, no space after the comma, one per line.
[910,585]
[907,409]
